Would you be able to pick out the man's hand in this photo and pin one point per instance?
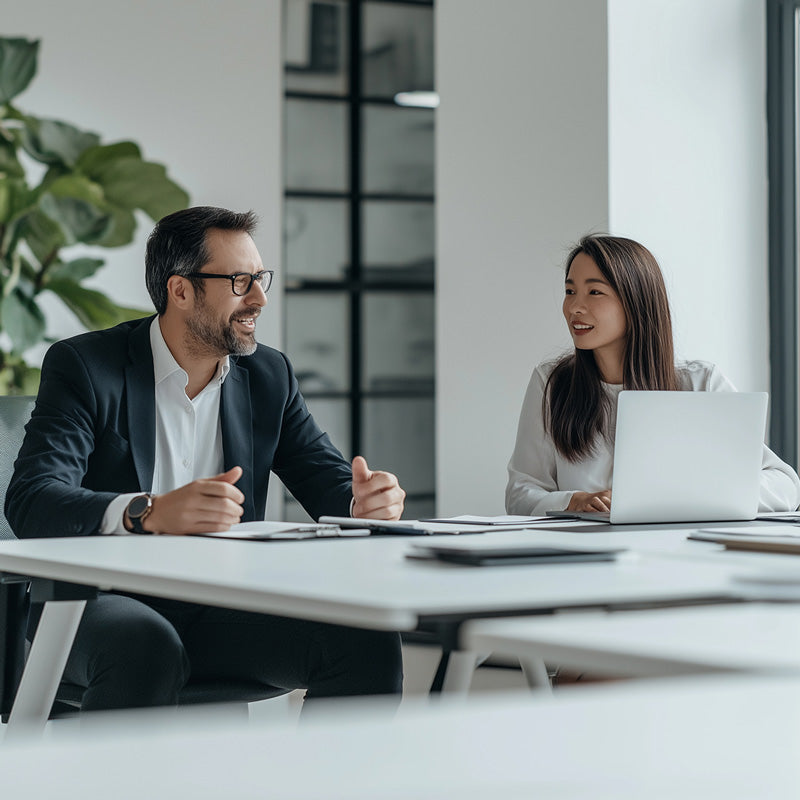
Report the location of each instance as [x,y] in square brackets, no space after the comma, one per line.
[202,506]
[586,501]
[377,495]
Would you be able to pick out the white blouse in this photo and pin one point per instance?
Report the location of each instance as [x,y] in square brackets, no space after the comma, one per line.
[540,479]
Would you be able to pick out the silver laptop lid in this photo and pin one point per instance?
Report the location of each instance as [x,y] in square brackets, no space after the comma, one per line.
[687,456]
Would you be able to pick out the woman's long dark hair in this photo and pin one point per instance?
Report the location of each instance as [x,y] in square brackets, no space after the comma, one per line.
[576,407]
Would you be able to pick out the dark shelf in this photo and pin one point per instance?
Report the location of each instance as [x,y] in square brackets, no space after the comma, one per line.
[363,278]
[325,194]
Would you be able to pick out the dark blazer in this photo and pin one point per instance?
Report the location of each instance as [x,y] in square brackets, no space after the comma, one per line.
[92,435]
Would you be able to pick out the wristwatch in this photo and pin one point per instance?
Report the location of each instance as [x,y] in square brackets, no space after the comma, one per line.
[139,510]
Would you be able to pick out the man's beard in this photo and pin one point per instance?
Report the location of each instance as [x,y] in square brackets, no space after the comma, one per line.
[206,335]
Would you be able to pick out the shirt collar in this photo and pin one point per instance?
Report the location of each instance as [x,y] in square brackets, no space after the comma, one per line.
[165,365]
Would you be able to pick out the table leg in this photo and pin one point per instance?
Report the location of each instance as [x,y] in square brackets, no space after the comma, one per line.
[460,668]
[535,673]
[44,667]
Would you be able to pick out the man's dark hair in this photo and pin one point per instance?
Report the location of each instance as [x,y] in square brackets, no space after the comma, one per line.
[177,245]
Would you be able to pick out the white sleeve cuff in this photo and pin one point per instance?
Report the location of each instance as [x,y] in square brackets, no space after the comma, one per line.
[115,512]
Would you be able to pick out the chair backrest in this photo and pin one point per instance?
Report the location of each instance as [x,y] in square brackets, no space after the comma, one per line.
[14,598]
[14,413]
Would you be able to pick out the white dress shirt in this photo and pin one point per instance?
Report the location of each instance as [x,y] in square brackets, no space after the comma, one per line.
[188,432]
[540,479]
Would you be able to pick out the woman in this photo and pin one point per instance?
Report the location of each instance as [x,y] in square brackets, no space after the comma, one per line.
[618,314]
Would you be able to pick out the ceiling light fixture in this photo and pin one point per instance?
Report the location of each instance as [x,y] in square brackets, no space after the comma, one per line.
[417,99]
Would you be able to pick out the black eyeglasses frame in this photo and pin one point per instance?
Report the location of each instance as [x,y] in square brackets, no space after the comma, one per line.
[253,276]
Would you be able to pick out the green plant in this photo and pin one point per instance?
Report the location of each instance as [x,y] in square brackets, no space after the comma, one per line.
[86,194]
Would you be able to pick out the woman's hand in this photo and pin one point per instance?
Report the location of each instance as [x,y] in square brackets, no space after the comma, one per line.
[594,501]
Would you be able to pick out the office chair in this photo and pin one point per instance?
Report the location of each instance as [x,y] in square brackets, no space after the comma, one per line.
[15,603]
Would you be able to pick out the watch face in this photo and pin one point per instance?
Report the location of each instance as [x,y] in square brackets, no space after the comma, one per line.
[138,506]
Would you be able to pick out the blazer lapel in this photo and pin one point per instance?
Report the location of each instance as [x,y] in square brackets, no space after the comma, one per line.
[237,431]
[141,394]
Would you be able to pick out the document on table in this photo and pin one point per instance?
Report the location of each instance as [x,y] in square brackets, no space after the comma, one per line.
[511,522]
[507,519]
[452,525]
[415,527]
[751,531]
[761,538]
[260,530]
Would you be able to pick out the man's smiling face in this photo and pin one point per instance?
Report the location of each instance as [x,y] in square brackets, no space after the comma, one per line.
[222,322]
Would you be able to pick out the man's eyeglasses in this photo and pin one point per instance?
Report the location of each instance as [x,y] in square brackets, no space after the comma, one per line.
[241,282]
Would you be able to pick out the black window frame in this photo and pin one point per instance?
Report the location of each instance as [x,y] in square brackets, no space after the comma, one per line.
[357,285]
[782,128]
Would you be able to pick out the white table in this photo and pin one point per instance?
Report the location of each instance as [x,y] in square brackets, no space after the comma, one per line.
[754,637]
[719,739]
[361,582]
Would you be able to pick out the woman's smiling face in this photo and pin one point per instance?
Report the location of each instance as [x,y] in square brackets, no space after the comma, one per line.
[593,311]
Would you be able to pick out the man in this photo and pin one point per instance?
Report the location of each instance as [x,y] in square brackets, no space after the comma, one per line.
[171,425]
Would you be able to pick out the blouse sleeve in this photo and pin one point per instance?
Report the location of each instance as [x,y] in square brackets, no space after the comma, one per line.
[780,485]
[532,488]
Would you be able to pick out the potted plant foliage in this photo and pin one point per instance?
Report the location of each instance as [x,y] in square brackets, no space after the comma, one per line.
[61,187]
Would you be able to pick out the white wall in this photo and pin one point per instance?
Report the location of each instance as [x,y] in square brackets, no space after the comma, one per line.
[537,143]
[688,171]
[197,85]
[521,171]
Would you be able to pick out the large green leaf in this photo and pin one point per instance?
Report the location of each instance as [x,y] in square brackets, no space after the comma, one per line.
[52,142]
[132,183]
[122,228]
[98,157]
[42,234]
[120,224]
[78,187]
[15,199]
[9,163]
[91,307]
[76,270]
[54,172]
[17,66]
[22,320]
[79,221]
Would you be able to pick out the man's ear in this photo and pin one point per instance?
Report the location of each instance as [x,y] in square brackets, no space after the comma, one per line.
[180,292]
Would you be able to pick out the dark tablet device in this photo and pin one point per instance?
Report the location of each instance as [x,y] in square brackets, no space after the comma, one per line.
[510,555]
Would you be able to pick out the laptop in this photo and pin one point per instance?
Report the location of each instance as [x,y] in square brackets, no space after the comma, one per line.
[685,457]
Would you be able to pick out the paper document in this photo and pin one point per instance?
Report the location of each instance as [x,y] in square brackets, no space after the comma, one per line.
[415,527]
[760,538]
[260,530]
[751,531]
[399,527]
[508,519]
[452,525]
